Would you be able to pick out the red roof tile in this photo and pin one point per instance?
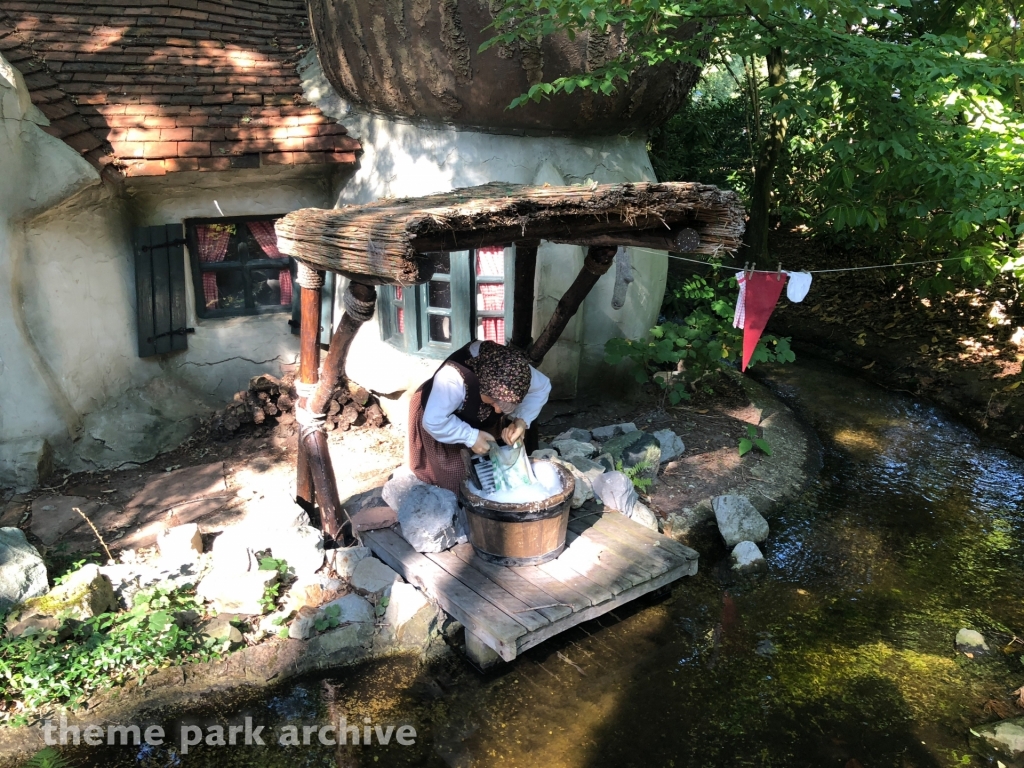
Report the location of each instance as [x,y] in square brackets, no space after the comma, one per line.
[150,87]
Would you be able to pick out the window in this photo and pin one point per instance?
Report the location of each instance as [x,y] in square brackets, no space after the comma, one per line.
[237,268]
[467,298]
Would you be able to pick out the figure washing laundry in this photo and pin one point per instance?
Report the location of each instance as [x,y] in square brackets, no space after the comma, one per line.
[463,405]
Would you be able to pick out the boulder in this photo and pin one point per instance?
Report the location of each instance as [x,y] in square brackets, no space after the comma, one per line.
[607,433]
[738,520]
[84,594]
[180,544]
[427,518]
[22,571]
[645,452]
[303,626]
[616,491]
[1003,740]
[274,511]
[312,591]
[372,578]
[302,548]
[620,443]
[583,490]
[222,629]
[233,550]
[644,516]
[971,642]
[353,609]
[230,591]
[410,617]
[606,461]
[346,559]
[747,558]
[671,444]
[544,454]
[575,433]
[398,487]
[570,449]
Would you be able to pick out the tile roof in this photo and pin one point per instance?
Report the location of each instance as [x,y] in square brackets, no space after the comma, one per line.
[149,87]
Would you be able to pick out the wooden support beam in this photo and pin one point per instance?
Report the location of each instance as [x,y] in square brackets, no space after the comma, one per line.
[523,293]
[599,259]
[310,282]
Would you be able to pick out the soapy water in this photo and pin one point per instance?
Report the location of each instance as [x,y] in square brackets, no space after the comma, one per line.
[549,483]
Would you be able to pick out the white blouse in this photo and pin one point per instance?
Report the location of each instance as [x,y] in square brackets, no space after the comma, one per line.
[449,393]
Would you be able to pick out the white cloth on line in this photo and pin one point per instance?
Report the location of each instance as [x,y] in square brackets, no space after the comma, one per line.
[798,286]
[449,393]
[739,318]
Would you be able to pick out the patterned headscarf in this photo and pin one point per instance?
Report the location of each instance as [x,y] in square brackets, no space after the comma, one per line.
[504,373]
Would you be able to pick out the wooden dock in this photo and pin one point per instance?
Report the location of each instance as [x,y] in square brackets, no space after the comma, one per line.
[608,561]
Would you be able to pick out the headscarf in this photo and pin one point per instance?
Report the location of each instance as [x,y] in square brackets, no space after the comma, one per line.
[504,373]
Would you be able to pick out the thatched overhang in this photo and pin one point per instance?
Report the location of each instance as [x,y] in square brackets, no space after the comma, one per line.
[385,242]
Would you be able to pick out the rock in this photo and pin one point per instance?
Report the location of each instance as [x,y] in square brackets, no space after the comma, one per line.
[351,638]
[312,591]
[353,609]
[84,594]
[616,491]
[620,443]
[1004,739]
[22,571]
[372,578]
[971,642]
[642,514]
[614,430]
[191,494]
[671,444]
[583,490]
[399,486]
[303,626]
[231,591]
[222,629]
[747,558]
[232,551]
[374,518]
[575,433]
[346,559]
[427,518]
[738,520]
[54,516]
[606,461]
[33,625]
[646,452]
[275,511]
[128,579]
[570,449]
[411,618]
[180,544]
[302,548]
[544,454]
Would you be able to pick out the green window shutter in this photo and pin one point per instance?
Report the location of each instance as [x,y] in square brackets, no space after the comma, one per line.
[160,289]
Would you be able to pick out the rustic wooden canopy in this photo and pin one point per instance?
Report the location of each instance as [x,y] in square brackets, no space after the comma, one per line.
[385,242]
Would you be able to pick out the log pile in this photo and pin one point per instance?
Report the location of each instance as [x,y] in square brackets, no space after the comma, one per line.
[269,400]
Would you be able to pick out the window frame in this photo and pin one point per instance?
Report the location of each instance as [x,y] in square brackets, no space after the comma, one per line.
[198,269]
[465,316]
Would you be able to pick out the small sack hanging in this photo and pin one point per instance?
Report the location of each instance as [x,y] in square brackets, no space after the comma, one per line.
[762,294]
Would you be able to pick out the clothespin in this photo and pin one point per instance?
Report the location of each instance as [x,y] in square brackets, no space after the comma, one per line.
[778,274]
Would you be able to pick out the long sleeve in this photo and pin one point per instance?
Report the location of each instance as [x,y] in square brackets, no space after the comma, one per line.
[446,396]
[540,389]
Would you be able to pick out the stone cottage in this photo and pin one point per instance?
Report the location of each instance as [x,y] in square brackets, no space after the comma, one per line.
[148,147]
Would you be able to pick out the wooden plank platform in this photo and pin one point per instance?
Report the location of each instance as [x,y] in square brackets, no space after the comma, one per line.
[608,561]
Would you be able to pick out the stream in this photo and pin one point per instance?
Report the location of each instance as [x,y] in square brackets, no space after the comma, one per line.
[842,655]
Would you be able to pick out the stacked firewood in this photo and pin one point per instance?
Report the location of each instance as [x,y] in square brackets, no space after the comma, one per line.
[269,397]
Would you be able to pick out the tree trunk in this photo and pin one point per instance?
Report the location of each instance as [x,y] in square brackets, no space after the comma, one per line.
[755,239]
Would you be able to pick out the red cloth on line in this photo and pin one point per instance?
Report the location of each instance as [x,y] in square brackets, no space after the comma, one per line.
[763,291]
[266,236]
[213,246]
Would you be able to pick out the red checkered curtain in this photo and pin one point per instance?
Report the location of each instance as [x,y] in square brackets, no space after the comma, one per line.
[266,236]
[213,247]
[490,262]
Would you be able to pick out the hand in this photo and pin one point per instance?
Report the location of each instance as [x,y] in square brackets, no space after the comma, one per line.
[514,432]
[483,443]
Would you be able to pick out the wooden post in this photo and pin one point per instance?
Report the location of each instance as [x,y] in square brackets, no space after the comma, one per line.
[310,282]
[359,305]
[599,259]
[523,293]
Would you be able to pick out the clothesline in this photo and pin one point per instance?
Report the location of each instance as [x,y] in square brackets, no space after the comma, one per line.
[820,271]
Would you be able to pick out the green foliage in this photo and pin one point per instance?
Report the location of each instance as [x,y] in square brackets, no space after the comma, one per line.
[636,475]
[751,441]
[48,758]
[51,668]
[329,618]
[272,592]
[703,342]
[381,606]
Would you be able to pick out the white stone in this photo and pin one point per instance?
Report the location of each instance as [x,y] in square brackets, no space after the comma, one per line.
[180,544]
[971,641]
[220,628]
[275,512]
[427,518]
[574,433]
[738,520]
[22,571]
[614,430]
[409,616]
[746,557]
[346,559]
[352,609]
[303,626]
[571,449]
[232,550]
[236,592]
[671,444]
[643,515]
[397,488]
[302,548]
[583,489]
[84,594]
[372,578]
